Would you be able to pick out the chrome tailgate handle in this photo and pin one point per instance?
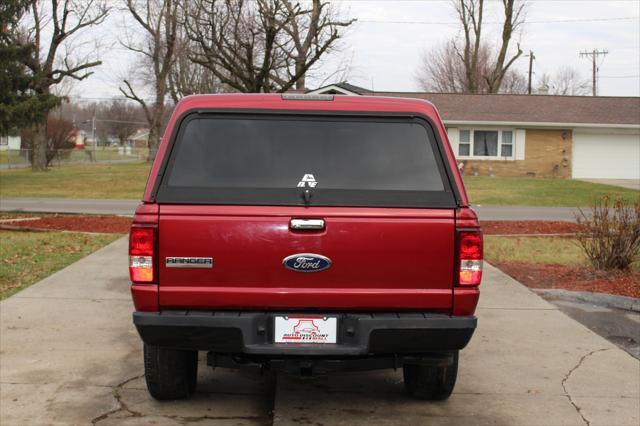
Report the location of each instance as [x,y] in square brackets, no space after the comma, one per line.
[307,224]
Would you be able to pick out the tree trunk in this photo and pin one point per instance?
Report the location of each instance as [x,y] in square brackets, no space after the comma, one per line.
[154,137]
[300,83]
[39,147]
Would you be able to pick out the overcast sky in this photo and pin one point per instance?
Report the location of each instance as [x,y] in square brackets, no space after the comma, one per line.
[383,49]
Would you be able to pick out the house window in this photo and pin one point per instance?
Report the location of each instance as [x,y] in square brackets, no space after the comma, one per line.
[506,148]
[485,143]
[490,144]
[464,144]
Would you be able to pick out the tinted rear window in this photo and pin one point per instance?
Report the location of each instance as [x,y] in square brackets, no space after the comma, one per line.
[273,159]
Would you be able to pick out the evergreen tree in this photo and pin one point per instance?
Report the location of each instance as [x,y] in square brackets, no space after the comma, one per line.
[32,64]
[20,105]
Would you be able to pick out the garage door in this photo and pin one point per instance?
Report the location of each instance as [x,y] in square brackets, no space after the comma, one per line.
[606,155]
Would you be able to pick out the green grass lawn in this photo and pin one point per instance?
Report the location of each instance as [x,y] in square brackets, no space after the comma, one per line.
[28,257]
[12,158]
[128,180]
[15,157]
[523,191]
[77,181]
[539,250]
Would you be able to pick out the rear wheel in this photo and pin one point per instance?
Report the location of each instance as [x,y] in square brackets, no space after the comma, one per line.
[430,383]
[170,373]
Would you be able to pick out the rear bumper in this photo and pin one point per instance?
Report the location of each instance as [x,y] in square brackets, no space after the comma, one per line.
[359,334]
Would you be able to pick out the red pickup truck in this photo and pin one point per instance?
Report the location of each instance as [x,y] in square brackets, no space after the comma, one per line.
[305,234]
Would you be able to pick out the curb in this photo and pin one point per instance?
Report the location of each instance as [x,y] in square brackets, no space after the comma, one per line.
[618,302]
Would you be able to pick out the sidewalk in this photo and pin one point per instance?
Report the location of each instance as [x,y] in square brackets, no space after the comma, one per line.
[127,207]
[70,355]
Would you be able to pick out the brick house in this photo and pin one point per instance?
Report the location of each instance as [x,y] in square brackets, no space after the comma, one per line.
[138,139]
[535,135]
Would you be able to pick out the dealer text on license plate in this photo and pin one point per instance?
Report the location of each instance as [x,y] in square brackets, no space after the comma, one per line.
[305,329]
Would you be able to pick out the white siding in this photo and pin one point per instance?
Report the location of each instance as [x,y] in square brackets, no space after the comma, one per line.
[606,154]
[519,146]
[454,137]
[14,142]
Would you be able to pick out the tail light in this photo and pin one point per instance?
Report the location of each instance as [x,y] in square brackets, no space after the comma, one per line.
[469,257]
[142,254]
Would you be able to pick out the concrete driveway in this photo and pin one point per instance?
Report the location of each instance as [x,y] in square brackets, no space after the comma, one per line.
[623,183]
[70,355]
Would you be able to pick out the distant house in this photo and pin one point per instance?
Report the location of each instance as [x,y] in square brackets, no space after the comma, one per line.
[139,138]
[10,142]
[535,135]
[78,137]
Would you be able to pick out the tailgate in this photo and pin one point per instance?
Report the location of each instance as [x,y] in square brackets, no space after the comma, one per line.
[380,258]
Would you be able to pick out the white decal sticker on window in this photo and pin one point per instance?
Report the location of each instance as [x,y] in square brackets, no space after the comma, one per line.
[307,180]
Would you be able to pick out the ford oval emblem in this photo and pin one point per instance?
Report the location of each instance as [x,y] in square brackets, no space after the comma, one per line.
[306,262]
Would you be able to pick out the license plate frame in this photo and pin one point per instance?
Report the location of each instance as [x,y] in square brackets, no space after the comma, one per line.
[305,329]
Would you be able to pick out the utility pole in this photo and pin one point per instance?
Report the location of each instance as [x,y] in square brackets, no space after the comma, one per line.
[93,131]
[594,62]
[531,58]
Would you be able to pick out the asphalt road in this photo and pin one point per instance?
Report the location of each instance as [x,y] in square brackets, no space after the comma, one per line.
[127,207]
[69,354]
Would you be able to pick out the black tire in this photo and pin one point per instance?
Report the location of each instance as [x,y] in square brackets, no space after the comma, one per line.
[170,373]
[430,383]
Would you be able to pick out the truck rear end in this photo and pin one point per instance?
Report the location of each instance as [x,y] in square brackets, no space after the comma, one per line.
[308,234]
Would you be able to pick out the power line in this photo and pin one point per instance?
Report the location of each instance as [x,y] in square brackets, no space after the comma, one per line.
[619,76]
[557,21]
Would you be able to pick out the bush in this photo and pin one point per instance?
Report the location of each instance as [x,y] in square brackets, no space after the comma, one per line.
[610,233]
[59,141]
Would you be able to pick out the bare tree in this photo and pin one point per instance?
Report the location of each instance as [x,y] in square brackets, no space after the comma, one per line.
[470,13]
[313,33]
[565,82]
[470,65]
[187,77]
[442,70]
[159,21]
[57,138]
[120,119]
[261,46]
[568,82]
[513,18]
[53,60]
[514,82]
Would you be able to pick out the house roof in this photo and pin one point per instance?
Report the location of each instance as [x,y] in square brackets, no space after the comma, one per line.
[603,110]
[139,134]
[342,87]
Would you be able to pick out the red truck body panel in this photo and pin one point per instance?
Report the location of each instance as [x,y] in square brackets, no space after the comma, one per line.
[386,259]
[382,258]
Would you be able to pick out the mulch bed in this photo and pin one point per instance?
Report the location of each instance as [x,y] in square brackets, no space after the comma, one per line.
[574,278]
[528,227]
[77,223]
